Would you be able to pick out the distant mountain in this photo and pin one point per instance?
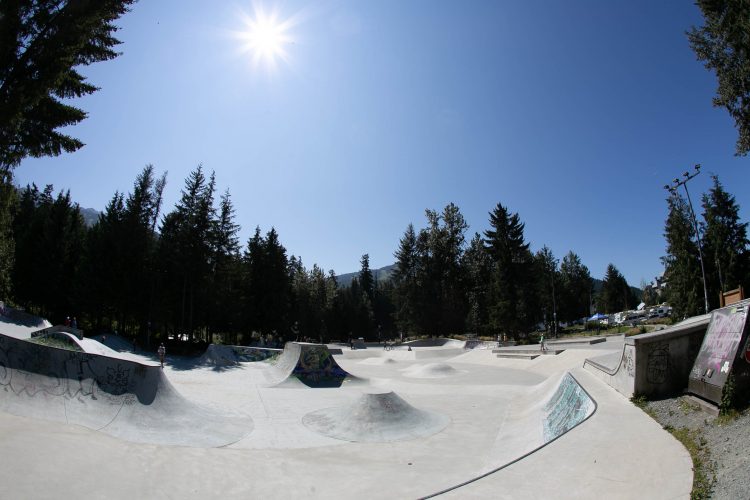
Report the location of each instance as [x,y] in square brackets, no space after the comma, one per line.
[90,216]
[382,274]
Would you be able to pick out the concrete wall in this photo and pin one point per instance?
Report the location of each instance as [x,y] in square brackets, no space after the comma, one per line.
[126,399]
[654,364]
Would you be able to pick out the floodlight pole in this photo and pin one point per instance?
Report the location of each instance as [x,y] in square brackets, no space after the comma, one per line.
[672,189]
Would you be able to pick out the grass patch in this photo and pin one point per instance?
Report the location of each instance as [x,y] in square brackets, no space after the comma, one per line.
[704,473]
[688,407]
[642,403]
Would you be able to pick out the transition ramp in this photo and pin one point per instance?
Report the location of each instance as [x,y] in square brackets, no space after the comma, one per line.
[228,355]
[311,364]
[127,399]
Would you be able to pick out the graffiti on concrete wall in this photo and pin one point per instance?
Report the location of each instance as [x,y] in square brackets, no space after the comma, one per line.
[723,337]
[658,364]
[628,361]
[568,407]
[317,367]
[720,346]
[33,370]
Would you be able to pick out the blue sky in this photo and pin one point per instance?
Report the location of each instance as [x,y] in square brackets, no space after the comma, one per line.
[573,114]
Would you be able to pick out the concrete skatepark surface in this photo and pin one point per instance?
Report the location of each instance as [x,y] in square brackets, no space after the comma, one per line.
[508,428]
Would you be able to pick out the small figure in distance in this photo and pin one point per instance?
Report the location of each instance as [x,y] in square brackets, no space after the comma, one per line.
[67,321]
[541,344]
[74,323]
[162,351]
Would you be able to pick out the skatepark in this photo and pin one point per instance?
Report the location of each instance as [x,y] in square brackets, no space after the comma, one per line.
[434,418]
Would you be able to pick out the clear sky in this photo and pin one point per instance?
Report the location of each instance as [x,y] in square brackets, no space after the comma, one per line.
[572,113]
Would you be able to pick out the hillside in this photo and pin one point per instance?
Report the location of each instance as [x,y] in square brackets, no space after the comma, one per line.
[382,274]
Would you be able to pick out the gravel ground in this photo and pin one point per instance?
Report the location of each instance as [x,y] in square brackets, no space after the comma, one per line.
[728,442]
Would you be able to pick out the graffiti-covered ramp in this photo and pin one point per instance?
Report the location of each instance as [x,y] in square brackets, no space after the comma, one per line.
[540,416]
[310,365]
[127,399]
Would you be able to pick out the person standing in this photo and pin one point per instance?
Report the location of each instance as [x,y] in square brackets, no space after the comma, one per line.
[162,351]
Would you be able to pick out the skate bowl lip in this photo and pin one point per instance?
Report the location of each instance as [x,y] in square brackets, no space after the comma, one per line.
[527,454]
[288,369]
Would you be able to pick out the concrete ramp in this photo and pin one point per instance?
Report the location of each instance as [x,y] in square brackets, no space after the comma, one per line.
[311,364]
[130,400]
[19,324]
[228,355]
[115,342]
[376,418]
[540,416]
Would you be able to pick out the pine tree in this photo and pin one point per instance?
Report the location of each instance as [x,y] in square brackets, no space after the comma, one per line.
[185,253]
[576,288]
[725,243]
[366,280]
[681,265]
[477,267]
[8,201]
[615,295]
[41,44]
[225,296]
[548,278]
[102,266]
[512,306]
[722,43]
[49,251]
[405,281]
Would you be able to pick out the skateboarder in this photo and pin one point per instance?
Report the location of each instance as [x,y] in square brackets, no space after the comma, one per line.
[162,351]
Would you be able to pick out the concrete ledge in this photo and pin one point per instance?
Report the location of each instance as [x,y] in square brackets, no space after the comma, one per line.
[519,356]
[553,352]
[586,341]
[653,364]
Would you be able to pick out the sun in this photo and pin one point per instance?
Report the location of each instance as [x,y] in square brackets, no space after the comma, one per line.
[266,38]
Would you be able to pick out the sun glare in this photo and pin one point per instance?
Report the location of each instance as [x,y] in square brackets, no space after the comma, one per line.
[265,38]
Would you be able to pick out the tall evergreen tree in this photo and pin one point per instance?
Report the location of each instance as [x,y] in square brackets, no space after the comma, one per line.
[102,267]
[477,267]
[405,281]
[512,305]
[725,243]
[615,295]
[41,45]
[548,279]
[49,252]
[723,44]
[366,280]
[576,288]
[185,253]
[682,270]
[226,283]
[8,201]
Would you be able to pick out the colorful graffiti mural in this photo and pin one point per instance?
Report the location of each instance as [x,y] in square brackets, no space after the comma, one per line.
[569,406]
